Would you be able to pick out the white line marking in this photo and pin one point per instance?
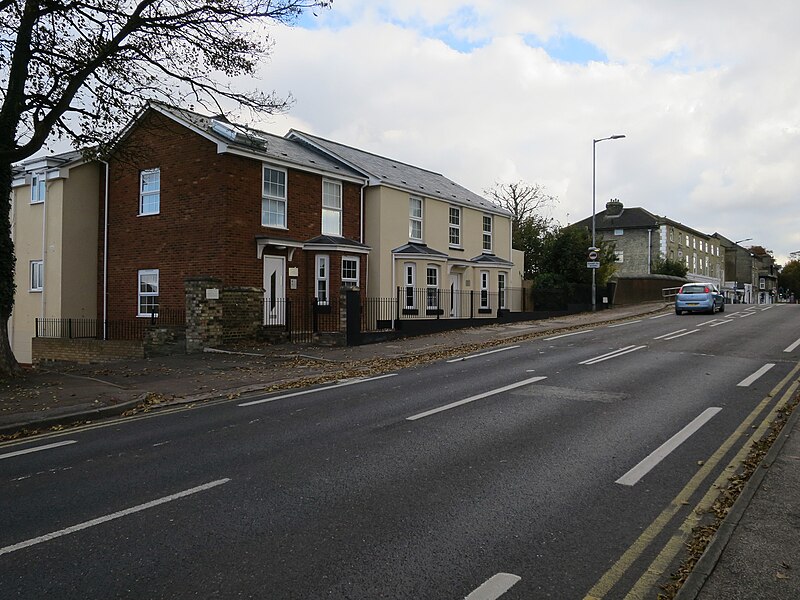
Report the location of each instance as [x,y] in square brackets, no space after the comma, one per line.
[682,334]
[620,352]
[494,587]
[769,307]
[660,453]
[428,413]
[706,322]
[563,335]
[321,389]
[482,354]
[792,346]
[111,517]
[623,324]
[722,323]
[742,315]
[668,334]
[37,449]
[748,380]
[613,352]
[660,316]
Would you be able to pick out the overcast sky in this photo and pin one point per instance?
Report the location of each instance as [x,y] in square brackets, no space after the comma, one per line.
[707,93]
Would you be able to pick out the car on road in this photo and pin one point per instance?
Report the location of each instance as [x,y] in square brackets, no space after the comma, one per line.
[699,297]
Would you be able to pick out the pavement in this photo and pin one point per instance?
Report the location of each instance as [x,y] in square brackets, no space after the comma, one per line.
[754,555]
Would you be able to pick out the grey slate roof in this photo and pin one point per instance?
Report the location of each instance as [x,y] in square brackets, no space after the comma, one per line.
[400,175]
[630,218]
[265,145]
[333,240]
[413,248]
[633,218]
[490,259]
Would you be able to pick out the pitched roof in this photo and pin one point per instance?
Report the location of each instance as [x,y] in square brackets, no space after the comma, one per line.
[334,240]
[630,218]
[387,171]
[418,249]
[491,259]
[266,146]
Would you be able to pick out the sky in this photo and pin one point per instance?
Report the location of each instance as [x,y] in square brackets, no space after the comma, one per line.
[706,92]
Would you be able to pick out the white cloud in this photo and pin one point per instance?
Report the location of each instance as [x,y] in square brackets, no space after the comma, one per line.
[706,94]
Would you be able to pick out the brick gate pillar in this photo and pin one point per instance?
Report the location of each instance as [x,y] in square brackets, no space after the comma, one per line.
[203,313]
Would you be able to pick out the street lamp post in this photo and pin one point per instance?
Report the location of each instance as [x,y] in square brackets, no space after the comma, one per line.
[736,269]
[594,179]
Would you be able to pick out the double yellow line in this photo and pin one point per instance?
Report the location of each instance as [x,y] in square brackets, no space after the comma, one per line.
[665,557]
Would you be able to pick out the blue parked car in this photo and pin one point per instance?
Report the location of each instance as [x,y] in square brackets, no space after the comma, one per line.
[699,297]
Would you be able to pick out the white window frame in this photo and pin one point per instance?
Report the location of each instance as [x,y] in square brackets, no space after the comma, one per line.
[409,280]
[619,232]
[432,287]
[331,207]
[149,200]
[36,280]
[454,228]
[502,279]
[762,284]
[484,288]
[38,188]
[322,273]
[416,220]
[149,294]
[351,281]
[270,192]
[487,233]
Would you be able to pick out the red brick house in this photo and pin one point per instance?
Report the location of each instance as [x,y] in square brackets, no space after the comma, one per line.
[190,195]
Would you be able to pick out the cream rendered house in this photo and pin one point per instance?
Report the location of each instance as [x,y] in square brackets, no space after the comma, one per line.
[54,226]
[441,249]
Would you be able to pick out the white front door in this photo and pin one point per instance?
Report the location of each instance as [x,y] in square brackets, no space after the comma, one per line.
[455,295]
[274,290]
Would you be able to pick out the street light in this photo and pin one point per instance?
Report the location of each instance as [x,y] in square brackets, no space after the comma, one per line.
[736,270]
[594,243]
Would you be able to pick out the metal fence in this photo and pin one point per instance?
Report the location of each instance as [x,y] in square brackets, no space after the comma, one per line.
[113,329]
[300,320]
[433,303]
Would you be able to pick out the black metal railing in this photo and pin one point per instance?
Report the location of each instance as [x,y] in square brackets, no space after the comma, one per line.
[110,329]
[299,319]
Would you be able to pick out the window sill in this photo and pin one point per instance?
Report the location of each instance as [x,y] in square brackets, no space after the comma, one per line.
[36,291]
[457,248]
[281,227]
[152,214]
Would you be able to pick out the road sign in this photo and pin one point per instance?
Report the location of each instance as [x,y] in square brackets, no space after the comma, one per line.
[593,264]
[593,255]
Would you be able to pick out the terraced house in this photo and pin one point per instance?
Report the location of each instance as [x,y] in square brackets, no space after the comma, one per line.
[54,221]
[282,223]
[438,248]
[640,238]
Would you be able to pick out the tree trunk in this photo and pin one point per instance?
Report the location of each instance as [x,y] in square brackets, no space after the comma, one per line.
[8,363]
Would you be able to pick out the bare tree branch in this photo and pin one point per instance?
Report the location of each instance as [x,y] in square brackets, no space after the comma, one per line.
[81,69]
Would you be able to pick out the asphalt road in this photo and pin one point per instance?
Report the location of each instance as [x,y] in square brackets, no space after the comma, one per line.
[563,467]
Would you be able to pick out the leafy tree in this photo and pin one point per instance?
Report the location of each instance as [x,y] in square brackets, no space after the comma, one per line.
[524,201]
[532,237]
[564,256]
[789,277]
[666,266]
[80,70]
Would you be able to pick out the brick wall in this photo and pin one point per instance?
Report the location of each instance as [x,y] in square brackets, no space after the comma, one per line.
[203,314]
[85,350]
[242,312]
